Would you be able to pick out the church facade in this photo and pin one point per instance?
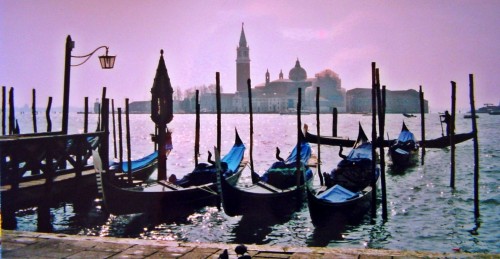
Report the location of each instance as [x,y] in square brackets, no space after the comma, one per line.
[281,95]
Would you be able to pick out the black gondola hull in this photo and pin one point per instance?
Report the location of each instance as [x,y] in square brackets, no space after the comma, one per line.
[443,142]
[403,158]
[238,200]
[158,199]
[325,213]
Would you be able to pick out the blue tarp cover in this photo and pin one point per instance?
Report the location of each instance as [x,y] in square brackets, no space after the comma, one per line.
[305,153]
[362,152]
[233,158]
[337,193]
[406,136]
[137,164]
[288,168]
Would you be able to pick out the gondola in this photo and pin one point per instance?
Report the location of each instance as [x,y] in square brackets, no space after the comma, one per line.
[444,141]
[276,194]
[327,140]
[404,149]
[141,168]
[348,190]
[167,198]
[337,141]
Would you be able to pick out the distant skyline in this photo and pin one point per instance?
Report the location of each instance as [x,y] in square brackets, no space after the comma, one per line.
[428,43]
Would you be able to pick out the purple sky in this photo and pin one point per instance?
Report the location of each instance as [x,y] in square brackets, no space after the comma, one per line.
[428,43]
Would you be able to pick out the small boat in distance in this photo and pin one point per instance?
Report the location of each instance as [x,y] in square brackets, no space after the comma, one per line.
[496,112]
[409,115]
[348,189]
[469,116]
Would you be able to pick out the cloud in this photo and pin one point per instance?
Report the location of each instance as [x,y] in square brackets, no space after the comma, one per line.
[339,27]
[305,34]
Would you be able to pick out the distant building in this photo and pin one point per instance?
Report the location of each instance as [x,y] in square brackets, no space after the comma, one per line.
[242,63]
[280,95]
[359,100]
[140,107]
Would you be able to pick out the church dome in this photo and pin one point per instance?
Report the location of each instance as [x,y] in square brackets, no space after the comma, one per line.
[297,73]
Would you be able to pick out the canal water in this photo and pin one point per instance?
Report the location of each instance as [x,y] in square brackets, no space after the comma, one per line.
[424,213]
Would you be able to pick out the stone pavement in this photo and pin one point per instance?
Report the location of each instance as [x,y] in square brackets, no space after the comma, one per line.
[16,244]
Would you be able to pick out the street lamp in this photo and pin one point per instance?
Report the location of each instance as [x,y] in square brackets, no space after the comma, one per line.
[107,62]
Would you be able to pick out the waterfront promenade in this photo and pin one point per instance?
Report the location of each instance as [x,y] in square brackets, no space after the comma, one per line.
[17,244]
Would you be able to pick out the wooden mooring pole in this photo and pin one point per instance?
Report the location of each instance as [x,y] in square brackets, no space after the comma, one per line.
[70,44]
[334,121]
[197,129]
[422,123]
[218,104]
[33,111]
[86,115]
[129,148]
[381,125]
[4,93]
[452,133]
[374,139]
[299,140]
[321,182]
[47,115]
[250,110]
[120,140]
[100,110]
[476,146]
[12,115]
[218,151]
[114,127]
[105,137]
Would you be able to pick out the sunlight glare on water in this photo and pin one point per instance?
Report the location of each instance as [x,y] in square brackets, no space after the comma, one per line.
[424,212]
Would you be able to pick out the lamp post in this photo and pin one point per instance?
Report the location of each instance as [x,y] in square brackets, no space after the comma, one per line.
[107,62]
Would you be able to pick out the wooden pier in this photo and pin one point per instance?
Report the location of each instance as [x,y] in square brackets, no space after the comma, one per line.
[16,244]
[39,166]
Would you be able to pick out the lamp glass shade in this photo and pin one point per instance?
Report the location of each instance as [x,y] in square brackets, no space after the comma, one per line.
[107,62]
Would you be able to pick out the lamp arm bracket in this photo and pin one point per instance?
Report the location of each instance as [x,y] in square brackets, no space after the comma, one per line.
[87,57]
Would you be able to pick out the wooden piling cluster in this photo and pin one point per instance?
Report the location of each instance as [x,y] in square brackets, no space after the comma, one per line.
[378,109]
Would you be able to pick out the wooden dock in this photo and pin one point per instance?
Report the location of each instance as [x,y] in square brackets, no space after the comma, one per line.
[41,166]
[16,244]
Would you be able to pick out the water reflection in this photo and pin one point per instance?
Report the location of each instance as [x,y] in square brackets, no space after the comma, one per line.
[336,228]
[256,230]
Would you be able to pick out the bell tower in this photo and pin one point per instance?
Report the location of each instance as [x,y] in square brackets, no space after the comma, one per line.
[242,63]
[268,79]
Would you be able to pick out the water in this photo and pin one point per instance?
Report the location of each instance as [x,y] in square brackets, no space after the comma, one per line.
[424,212]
